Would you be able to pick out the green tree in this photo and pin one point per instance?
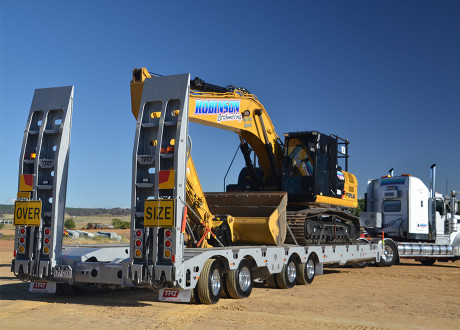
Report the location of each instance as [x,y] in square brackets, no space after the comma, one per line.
[69,223]
[120,224]
[357,211]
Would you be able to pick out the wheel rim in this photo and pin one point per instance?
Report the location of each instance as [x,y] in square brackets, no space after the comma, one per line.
[291,272]
[244,279]
[215,282]
[310,269]
[387,254]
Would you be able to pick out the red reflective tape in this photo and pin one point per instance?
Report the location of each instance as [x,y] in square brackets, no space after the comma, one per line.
[184,220]
[173,258]
[163,176]
[28,179]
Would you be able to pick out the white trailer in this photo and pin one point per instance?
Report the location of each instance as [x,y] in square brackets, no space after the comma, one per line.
[157,256]
[417,223]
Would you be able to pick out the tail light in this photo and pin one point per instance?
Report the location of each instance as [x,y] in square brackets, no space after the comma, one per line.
[46,240]
[138,235]
[22,240]
[167,243]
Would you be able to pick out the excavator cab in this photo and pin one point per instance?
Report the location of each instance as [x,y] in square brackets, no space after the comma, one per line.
[310,167]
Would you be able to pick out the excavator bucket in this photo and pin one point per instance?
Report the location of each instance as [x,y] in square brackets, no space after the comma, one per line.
[259,217]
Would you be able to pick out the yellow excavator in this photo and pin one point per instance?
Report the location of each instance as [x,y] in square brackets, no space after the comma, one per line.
[296,187]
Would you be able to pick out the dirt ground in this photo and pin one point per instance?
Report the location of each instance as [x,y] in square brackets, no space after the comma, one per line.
[407,296]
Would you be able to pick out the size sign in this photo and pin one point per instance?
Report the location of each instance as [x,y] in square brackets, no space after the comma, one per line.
[159,213]
[27,213]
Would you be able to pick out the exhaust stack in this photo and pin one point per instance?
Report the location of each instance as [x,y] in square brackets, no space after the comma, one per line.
[433,181]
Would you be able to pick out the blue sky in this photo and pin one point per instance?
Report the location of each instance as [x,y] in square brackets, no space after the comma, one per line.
[384,74]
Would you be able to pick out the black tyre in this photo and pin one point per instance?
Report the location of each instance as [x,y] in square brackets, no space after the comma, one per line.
[210,283]
[390,254]
[239,282]
[70,290]
[224,292]
[363,264]
[306,272]
[288,276]
[271,282]
[427,262]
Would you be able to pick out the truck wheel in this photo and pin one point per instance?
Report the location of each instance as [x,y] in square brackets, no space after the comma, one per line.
[306,271]
[390,254]
[239,281]
[427,262]
[210,282]
[288,276]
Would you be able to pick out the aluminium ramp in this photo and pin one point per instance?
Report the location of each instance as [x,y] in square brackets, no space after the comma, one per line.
[43,168]
[159,173]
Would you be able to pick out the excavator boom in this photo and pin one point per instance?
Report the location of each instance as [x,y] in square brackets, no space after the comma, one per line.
[305,167]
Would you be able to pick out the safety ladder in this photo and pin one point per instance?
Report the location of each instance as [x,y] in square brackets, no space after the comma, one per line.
[159,175]
[43,168]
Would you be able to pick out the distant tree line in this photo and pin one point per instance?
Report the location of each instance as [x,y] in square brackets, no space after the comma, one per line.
[77,212]
[81,212]
[84,212]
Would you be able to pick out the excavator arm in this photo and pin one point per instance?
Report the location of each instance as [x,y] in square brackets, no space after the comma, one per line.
[305,168]
[241,112]
[238,111]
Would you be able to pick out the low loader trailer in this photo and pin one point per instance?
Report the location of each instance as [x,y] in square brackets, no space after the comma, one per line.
[159,255]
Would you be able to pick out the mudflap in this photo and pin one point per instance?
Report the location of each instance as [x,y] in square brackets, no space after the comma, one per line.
[175,295]
[42,287]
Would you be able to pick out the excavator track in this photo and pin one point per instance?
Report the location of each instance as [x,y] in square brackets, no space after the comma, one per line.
[317,226]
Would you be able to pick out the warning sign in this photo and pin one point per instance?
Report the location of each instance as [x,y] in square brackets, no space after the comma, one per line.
[159,213]
[27,213]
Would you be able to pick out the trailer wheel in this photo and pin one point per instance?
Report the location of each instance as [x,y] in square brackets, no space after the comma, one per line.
[70,290]
[427,262]
[288,276]
[210,282]
[390,254]
[240,281]
[362,264]
[271,282]
[306,272]
[224,292]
